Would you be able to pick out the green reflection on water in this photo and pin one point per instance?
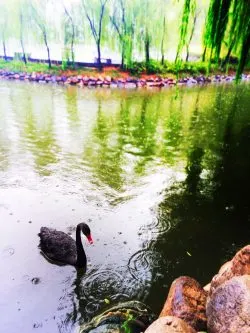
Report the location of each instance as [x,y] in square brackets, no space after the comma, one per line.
[72,106]
[208,214]
[116,140]
[121,135]
[35,120]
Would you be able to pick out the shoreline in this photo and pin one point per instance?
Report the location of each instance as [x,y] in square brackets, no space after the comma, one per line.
[190,73]
[102,80]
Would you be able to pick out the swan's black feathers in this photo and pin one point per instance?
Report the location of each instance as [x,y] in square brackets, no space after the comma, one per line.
[57,245]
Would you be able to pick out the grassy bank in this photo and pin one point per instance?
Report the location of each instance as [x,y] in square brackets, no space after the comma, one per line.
[137,69]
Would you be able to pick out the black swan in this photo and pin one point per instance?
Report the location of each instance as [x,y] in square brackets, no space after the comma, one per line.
[58,246]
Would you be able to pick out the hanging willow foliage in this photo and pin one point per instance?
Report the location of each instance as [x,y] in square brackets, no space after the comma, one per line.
[243,35]
[187,8]
[216,24]
[234,14]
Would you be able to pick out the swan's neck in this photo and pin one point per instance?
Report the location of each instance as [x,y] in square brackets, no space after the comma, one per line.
[81,259]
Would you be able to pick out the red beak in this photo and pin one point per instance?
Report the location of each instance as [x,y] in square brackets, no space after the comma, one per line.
[90,239]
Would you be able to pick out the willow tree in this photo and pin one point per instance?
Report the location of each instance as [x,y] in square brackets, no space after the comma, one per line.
[121,17]
[69,29]
[95,11]
[14,23]
[195,14]
[156,24]
[144,18]
[146,33]
[216,24]
[232,16]
[4,24]
[244,37]
[22,20]
[188,7]
[40,17]
[236,27]
[19,12]
[163,40]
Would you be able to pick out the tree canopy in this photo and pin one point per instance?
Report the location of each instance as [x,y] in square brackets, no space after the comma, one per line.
[141,30]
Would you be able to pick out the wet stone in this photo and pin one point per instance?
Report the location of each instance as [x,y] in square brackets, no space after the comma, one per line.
[228,309]
[187,300]
[169,324]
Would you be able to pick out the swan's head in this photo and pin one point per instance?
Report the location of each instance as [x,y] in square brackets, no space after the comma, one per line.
[86,231]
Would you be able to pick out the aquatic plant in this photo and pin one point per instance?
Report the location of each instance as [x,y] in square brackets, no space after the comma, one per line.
[125,325]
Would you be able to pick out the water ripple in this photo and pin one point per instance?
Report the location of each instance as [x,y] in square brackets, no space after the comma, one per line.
[102,282]
[141,265]
[157,227]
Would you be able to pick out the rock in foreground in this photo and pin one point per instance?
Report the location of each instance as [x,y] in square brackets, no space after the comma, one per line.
[187,300]
[228,308]
[239,265]
[169,324]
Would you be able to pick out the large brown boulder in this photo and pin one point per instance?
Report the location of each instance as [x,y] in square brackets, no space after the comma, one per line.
[228,308]
[169,324]
[239,265]
[187,300]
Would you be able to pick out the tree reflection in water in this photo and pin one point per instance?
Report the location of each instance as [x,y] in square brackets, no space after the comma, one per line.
[209,215]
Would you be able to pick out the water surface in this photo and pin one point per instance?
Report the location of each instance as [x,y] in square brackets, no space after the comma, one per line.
[161,177]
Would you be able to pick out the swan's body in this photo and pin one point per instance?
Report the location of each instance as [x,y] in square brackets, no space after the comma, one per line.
[58,246]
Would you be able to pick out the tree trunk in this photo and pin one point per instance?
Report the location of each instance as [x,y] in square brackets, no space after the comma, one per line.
[244,55]
[72,51]
[187,56]
[47,47]
[123,55]
[147,45]
[177,56]
[99,55]
[21,37]
[4,51]
[204,54]
[72,38]
[162,41]
[191,36]
[211,55]
[49,57]
[162,59]
[24,56]
[225,61]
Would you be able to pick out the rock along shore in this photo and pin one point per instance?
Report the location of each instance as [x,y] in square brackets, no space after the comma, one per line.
[108,81]
[222,306]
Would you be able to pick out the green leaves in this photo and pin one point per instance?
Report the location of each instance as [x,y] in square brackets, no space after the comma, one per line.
[228,20]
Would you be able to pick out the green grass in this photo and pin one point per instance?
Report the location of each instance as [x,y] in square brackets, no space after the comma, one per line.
[180,69]
[18,66]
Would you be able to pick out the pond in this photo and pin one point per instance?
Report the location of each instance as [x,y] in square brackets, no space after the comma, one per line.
[161,177]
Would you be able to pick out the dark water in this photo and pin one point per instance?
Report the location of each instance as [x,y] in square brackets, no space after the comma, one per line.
[161,177]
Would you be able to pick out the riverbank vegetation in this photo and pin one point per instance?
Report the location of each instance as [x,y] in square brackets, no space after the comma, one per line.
[136,69]
[147,34]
